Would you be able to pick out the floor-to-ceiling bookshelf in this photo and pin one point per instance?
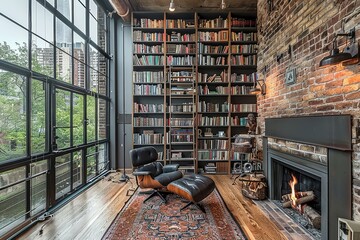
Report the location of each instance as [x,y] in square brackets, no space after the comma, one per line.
[191,76]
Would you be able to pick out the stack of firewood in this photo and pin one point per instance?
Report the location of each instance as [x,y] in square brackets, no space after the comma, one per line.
[300,205]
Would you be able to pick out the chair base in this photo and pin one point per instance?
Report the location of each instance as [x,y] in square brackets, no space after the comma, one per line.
[196,205]
[155,193]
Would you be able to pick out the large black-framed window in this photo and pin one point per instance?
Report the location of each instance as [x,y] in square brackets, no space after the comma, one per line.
[54,117]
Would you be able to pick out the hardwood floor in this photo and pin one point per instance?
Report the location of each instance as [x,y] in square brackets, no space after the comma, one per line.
[90,214]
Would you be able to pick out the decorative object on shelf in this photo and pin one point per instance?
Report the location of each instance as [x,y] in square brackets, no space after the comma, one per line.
[172,6]
[208,132]
[251,123]
[290,76]
[350,55]
[221,134]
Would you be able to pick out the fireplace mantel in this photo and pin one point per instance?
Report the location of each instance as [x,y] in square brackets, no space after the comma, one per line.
[332,132]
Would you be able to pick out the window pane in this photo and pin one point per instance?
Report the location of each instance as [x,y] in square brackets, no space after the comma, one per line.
[80,14]
[12,115]
[102,84]
[102,119]
[63,35]
[38,186]
[102,158]
[12,201]
[42,22]
[91,119]
[64,7]
[93,29]
[93,8]
[91,163]
[38,128]
[63,65]
[14,47]
[78,119]
[79,66]
[102,29]
[62,175]
[16,10]
[42,57]
[77,169]
[62,118]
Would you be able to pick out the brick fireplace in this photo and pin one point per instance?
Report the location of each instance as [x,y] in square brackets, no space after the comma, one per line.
[327,171]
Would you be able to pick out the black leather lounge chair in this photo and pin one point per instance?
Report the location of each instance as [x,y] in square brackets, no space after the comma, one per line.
[150,173]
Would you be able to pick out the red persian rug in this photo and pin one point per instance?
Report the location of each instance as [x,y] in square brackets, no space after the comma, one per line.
[156,220]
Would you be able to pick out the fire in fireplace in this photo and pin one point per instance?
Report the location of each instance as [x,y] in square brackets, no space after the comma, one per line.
[299,201]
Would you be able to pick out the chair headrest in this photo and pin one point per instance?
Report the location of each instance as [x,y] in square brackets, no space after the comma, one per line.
[143,155]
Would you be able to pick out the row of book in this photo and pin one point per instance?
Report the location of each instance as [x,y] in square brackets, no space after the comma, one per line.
[146,36]
[148,138]
[180,61]
[243,36]
[213,121]
[142,48]
[148,23]
[213,144]
[243,107]
[243,77]
[148,122]
[181,122]
[181,48]
[213,107]
[238,121]
[240,90]
[148,89]
[148,77]
[205,90]
[178,37]
[184,107]
[205,49]
[251,48]
[210,61]
[214,23]
[242,22]
[243,60]
[180,23]
[182,138]
[148,60]
[213,154]
[148,108]
[207,78]
[222,35]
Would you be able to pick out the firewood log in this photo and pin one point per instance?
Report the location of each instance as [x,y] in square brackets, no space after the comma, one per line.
[287,197]
[298,201]
[313,217]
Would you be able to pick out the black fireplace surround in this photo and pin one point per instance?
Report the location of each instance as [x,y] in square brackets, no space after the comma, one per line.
[335,178]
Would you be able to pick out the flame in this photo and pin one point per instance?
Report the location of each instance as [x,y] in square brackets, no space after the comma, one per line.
[292,184]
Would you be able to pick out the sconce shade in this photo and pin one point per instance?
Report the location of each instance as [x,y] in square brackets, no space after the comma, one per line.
[256,90]
[335,57]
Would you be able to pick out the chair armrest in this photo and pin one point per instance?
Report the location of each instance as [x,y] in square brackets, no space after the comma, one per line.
[170,168]
[141,173]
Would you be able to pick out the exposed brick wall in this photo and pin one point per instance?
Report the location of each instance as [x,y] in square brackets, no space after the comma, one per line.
[307,28]
[315,153]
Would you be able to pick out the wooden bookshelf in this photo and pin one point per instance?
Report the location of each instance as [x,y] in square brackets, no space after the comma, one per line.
[192,73]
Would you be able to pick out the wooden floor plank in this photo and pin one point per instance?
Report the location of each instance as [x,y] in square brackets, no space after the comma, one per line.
[90,214]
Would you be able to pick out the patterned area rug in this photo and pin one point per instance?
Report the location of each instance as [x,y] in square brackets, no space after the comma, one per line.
[155,220]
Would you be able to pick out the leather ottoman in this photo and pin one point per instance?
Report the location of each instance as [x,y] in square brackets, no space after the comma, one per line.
[193,188]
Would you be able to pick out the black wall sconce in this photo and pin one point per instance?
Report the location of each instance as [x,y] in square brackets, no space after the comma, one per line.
[261,89]
[350,53]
